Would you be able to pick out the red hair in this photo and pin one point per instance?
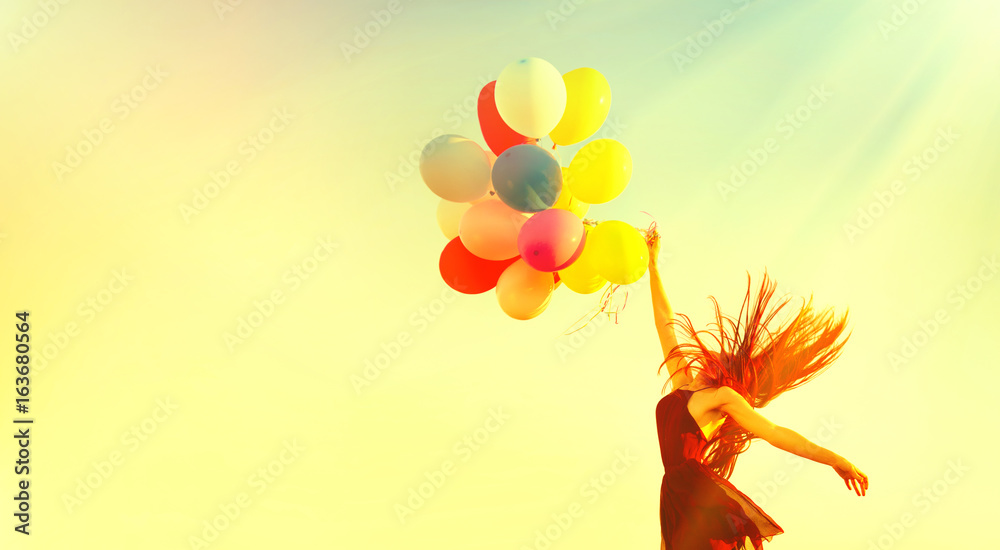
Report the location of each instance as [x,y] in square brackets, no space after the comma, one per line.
[755,362]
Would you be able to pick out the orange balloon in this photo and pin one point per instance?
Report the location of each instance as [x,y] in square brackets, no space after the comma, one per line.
[523,292]
[489,230]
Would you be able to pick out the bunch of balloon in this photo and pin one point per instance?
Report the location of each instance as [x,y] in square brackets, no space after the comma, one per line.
[512,214]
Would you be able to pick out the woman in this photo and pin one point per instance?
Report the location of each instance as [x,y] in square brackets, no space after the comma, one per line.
[709,419]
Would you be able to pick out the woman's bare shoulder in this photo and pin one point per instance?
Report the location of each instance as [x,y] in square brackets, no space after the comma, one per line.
[683,380]
[713,397]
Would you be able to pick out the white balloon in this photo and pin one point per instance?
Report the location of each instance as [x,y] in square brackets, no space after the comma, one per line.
[455,168]
[530,96]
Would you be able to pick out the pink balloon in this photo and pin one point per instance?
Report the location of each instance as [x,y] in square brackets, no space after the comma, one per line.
[551,239]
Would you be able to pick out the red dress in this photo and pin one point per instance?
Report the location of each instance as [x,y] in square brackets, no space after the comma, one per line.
[699,509]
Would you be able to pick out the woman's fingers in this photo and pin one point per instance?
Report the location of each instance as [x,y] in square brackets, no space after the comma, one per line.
[861,481]
[862,484]
[855,480]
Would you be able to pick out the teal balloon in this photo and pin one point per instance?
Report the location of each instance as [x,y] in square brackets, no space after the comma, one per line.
[527,178]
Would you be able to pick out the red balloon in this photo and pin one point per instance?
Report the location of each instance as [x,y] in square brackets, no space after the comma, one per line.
[467,273]
[497,134]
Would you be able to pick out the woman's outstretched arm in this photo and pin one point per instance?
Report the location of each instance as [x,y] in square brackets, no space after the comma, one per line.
[789,440]
[663,314]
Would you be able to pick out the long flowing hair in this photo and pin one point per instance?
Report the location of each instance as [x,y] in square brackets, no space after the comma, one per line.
[756,362]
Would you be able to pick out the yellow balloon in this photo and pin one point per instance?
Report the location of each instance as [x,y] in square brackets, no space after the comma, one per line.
[620,252]
[588,100]
[567,201]
[449,214]
[581,276]
[599,171]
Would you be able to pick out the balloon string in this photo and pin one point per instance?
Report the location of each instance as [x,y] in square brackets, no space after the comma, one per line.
[585,324]
[644,232]
[604,302]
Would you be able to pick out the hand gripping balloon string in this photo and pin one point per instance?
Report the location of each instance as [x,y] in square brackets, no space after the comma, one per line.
[651,230]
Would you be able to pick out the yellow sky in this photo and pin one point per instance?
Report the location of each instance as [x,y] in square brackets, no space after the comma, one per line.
[210,212]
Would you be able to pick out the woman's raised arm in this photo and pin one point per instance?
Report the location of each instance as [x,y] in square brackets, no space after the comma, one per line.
[663,314]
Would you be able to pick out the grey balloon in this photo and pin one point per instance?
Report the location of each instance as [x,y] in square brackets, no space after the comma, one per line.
[527,178]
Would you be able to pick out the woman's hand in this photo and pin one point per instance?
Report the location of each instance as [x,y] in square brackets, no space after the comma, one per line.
[653,244]
[854,478]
